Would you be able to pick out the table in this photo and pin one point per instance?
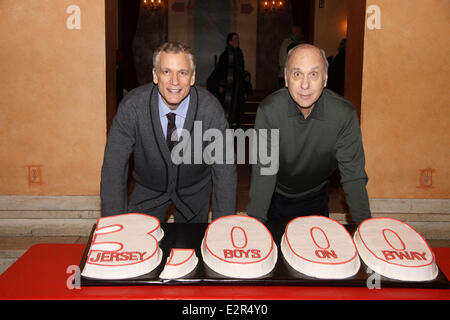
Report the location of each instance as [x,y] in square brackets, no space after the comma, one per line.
[41,273]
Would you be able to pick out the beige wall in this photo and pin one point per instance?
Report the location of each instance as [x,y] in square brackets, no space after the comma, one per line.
[111,44]
[330,25]
[355,52]
[52,97]
[405,112]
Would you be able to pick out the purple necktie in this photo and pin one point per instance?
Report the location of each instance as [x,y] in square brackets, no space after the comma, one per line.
[170,129]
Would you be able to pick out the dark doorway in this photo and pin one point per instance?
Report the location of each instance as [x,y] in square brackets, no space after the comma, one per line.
[303,15]
[273,27]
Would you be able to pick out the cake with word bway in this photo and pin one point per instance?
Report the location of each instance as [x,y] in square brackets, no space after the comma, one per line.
[395,250]
[180,263]
[320,247]
[124,246]
[239,247]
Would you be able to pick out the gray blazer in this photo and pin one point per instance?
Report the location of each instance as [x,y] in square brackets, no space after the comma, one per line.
[137,129]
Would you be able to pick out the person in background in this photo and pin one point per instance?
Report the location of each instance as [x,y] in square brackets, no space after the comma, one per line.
[336,72]
[228,81]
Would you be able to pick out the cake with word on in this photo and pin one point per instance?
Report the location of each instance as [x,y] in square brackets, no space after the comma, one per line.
[124,246]
[239,246]
[393,249]
[180,263]
[320,247]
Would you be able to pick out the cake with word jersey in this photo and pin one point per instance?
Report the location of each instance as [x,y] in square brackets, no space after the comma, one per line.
[239,247]
[320,247]
[395,250]
[124,246]
[180,263]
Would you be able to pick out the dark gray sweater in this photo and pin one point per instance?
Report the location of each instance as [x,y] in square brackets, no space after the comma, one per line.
[137,129]
[310,150]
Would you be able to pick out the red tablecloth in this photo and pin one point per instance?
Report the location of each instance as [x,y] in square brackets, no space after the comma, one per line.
[41,273]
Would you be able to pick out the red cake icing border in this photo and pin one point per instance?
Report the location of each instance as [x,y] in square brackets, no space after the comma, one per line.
[318,262]
[237,262]
[180,263]
[400,265]
[121,227]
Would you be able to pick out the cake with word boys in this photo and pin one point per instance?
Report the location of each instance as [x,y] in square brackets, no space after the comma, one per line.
[239,247]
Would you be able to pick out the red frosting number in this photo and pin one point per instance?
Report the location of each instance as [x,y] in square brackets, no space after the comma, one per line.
[242,245]
[307,239]
[400,244]
[109,247]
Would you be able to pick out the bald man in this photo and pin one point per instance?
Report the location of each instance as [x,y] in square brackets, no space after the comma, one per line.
[318,132]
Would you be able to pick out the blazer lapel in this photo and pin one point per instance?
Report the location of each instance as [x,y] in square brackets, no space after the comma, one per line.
[192,110]
[156,125]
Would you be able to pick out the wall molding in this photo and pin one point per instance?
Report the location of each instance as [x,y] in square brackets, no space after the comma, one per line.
[49,203]
[93,203]
[75,215]
[410,205]
[44,216]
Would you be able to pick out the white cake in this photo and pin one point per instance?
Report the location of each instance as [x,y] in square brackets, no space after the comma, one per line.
[239,247]
[320,247]
[180,263]
[395,250]
[124,246]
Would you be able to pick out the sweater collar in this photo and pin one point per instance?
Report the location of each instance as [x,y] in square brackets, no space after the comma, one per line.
[181,111]
[318,111]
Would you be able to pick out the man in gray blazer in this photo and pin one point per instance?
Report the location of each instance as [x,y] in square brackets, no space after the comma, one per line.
[148,121]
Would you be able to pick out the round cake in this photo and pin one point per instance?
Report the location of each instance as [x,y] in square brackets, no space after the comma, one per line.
[395,250]
[239,247]
[180,263]
[320,247]
[124,246]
